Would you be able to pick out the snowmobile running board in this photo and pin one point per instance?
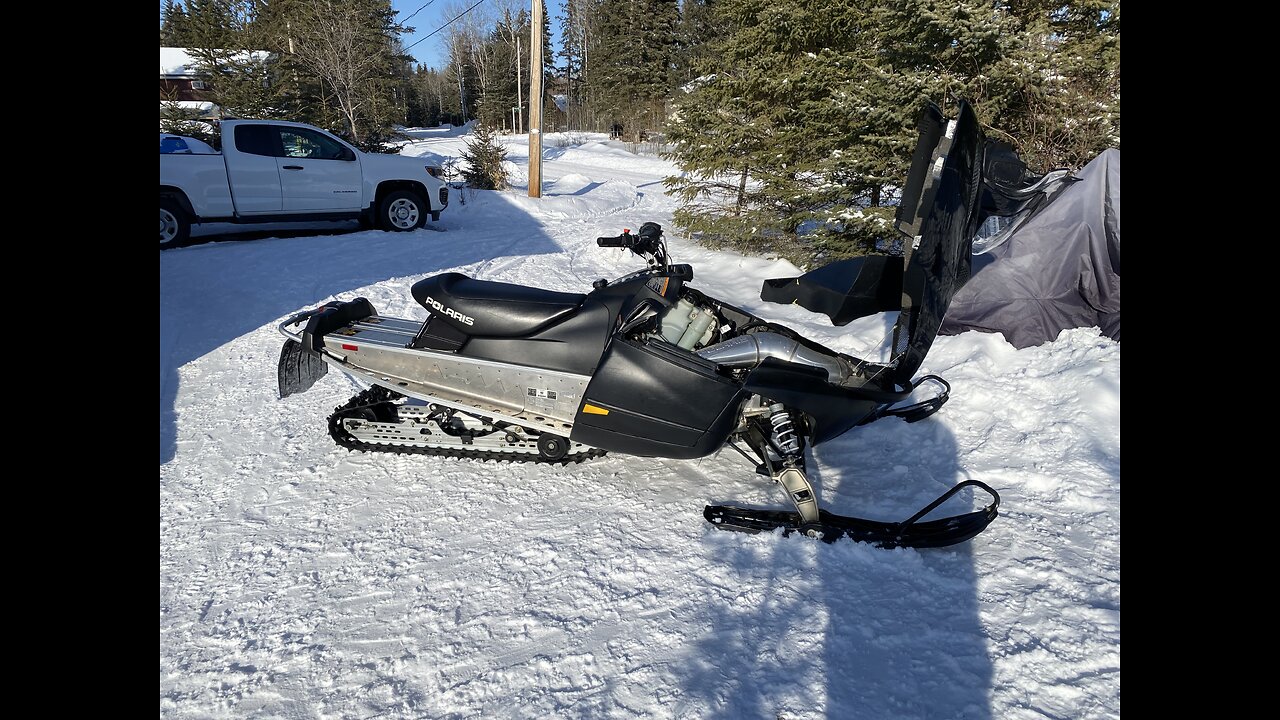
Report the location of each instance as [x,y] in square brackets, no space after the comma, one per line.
[303,361]
[832,527]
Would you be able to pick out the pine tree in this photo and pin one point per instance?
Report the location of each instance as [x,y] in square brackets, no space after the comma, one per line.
[212,24]
[762,135]
[485,156]
[431,103]
[548,50]
[238,81]
[173,25]
[178,120]
[799,128]
[632,62]
[549,83]
[571,40]
[575,30]
[696,32]
[1073,113]
[297,94]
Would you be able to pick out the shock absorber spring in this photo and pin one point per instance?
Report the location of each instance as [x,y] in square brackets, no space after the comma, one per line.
[784,430]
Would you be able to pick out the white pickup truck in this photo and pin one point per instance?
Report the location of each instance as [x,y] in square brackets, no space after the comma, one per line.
[273,171]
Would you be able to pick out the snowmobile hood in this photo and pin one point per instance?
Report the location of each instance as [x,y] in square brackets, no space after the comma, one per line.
[940,213]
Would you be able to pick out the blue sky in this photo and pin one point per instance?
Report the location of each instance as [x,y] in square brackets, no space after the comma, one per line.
[431,52]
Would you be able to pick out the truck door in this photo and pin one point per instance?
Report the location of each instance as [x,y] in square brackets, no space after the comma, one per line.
[317,172]
[251,169]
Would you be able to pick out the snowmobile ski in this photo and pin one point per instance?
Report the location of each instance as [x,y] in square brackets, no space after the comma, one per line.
[830,527]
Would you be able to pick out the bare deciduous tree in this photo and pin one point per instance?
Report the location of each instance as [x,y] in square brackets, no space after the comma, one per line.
[469,46]
[344,45]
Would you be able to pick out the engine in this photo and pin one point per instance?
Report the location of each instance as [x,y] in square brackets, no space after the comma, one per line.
[692,326]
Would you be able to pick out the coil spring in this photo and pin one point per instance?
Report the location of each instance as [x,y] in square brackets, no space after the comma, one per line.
[784,431]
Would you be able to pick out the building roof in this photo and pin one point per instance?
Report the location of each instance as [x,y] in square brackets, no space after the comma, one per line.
[201,106]
[176,62]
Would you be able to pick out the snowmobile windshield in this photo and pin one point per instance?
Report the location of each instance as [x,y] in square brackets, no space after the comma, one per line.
[939,214]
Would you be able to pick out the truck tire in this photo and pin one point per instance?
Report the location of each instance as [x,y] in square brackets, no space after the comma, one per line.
[402,211]
[175,225]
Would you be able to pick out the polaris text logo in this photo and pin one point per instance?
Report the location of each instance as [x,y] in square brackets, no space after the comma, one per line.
[464,319]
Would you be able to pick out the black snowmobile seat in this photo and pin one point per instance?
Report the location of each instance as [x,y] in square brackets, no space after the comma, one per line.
[493,309]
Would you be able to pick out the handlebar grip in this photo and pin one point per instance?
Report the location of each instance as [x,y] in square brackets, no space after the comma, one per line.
[622,241]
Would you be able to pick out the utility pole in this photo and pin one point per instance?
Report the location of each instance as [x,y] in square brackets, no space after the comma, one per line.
[535,102]
[519,90]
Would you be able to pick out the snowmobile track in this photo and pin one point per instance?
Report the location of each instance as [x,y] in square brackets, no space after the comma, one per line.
[377,395]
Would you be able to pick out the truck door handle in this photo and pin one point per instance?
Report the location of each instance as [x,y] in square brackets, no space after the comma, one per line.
[292,167]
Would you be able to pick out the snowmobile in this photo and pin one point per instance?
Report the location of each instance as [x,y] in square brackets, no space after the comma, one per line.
[648,365]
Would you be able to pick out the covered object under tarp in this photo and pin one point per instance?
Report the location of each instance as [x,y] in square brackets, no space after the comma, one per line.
[1060,269]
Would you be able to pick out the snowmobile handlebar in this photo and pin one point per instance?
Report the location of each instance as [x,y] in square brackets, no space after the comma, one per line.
[625,240]
[647,243]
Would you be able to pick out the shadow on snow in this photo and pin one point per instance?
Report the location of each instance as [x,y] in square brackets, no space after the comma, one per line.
[883,633]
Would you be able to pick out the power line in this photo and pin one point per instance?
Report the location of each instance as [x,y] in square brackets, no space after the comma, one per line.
[433,32]
[415,12]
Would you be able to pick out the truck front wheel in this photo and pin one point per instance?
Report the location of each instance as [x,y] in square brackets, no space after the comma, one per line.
[175,226]
[401,211]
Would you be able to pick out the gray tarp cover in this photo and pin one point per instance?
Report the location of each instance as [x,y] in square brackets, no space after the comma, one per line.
[1060,270]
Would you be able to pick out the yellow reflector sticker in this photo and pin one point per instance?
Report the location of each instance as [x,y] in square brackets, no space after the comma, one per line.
[590,409]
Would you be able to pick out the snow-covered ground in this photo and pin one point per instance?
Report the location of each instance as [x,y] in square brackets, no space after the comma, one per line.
[299,580]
